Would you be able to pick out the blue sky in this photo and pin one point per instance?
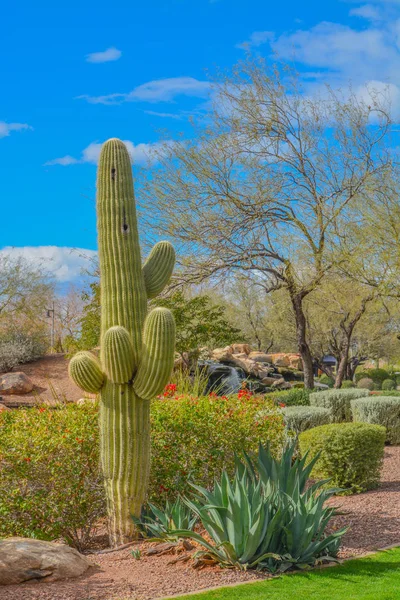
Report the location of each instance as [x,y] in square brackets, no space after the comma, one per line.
[77,74]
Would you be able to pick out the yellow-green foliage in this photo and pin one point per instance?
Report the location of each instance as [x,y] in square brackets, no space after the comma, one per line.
[50,480]
[350,454]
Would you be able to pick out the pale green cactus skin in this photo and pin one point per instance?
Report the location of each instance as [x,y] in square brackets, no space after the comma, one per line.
[137,350]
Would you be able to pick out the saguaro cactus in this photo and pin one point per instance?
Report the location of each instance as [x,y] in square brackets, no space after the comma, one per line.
[137,351]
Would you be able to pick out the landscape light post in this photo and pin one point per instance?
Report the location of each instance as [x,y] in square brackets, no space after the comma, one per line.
[50,313]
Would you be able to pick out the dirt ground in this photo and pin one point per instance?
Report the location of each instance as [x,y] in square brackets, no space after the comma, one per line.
[50,378]
[373,519]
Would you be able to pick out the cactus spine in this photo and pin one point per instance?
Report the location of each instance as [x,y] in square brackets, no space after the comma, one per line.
[137,350]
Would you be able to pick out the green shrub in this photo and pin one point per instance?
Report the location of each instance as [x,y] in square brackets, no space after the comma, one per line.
[347,383]
[300,418]
[50,482]
[393,393]
[196,438]
[379,410]
[377,375]
[293,397]
[350,454]
[326,380]
[337,401]
[263,518]
[388,384]
[366,384]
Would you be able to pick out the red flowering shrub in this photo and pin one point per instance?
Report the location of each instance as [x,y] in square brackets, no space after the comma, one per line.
[50,482]
[196,438]
[169,390]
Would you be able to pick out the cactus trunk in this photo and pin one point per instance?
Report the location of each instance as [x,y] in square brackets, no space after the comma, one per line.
[125,456]
[137,351]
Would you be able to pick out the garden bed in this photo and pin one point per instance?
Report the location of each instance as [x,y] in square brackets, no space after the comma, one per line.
[373,519]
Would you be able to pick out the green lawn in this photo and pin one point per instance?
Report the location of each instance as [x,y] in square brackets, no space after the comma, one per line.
[376,577]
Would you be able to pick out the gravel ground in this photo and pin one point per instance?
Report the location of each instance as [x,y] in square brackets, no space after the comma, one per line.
[49,376]
[373,519]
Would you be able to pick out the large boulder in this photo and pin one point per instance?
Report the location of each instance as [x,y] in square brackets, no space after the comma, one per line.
[222,354]
[15,383]
[3,408]
[25,559]
[241,348]
[282,359]
[260,357]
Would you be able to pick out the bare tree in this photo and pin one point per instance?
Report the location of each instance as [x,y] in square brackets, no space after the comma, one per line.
[266,181]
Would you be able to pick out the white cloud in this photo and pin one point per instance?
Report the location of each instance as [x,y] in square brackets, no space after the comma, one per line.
[64,161]
[139,153]
[7,128]
[65,264]
[108,55]
[366,11]
[159,90]
[257,38]
[339,54]
[162,114]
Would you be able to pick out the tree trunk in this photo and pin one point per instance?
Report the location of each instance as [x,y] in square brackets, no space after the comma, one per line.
[301,335]
[343,364]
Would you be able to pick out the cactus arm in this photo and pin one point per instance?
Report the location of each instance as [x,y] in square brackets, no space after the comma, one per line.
[118,358]
[85,371]
[157,355]
[158,268]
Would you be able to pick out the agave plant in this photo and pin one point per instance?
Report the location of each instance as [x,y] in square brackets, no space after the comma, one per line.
[285,474]
[264,518]
[161,524]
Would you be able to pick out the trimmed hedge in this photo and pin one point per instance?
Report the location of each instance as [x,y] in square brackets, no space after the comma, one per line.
[337,401]
[350,454]
[300,418]
[379,410]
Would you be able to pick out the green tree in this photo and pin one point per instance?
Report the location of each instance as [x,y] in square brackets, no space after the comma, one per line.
[199,322]
[266,183]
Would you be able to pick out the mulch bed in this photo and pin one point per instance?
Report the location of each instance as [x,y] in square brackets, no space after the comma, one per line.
[373,519]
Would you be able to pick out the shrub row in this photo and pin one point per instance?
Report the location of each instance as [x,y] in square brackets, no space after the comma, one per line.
[337,402]
[379,410]
[50,482]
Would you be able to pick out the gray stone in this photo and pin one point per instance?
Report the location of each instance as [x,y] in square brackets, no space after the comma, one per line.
[15,383]
[25,559]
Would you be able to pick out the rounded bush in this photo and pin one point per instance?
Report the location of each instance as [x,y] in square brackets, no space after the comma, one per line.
[379,410]
[366,384]
[377,375]
[388,384]
[300,418]
[350,454]
[337,402]
[347,383]
[326,380]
